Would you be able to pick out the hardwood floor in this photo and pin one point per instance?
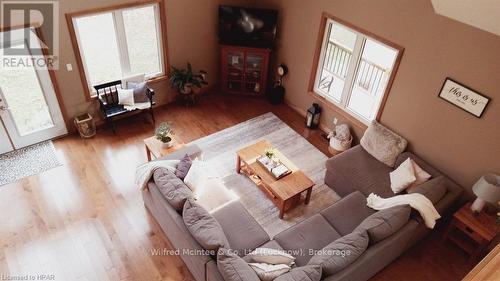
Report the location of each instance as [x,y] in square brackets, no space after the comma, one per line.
[85,220]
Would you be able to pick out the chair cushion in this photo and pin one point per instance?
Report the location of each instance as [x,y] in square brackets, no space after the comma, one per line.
[203,226]
[433,189]
[172,188]
[303,273]
[234,268]
[346,214]
[382,143]
[385,222]
[242,231]
[341,252]
[183,167]
[312,234]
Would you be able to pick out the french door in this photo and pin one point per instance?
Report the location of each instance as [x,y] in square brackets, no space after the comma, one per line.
[29,110]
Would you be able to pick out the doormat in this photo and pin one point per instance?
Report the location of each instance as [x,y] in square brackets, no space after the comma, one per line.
[27,161]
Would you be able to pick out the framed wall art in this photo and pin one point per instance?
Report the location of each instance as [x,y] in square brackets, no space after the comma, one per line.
[464,97]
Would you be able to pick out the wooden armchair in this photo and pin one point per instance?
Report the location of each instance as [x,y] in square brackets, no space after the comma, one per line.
[107,94]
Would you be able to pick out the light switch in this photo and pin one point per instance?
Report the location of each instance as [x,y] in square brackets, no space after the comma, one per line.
[69,67]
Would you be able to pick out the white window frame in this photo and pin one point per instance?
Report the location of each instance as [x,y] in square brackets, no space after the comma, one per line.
[121,39]
[352,70]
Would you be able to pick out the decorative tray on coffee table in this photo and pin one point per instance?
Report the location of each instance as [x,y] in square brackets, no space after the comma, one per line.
[275,168]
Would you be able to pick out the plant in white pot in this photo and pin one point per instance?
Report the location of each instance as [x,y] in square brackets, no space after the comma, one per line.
[164,134]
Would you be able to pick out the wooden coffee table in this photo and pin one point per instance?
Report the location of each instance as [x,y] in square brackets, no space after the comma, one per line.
[154,147]
[285,192]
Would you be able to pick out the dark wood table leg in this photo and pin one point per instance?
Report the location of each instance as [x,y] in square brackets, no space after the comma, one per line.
[308,195]
[282,210]
[238,164]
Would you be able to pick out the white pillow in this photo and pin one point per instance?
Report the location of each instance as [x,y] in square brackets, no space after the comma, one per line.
[421,175]
[198,174]
[271,256]
[403,176]
[268,272]
[135,78]
[126,97]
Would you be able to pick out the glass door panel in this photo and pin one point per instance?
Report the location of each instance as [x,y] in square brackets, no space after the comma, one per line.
[235,62]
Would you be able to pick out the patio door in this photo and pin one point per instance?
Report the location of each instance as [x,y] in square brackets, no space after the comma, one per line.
[29,109]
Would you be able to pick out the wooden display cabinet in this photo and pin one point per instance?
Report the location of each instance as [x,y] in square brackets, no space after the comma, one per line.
[244,70]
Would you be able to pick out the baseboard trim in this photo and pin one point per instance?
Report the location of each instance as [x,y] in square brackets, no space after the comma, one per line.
[302,112]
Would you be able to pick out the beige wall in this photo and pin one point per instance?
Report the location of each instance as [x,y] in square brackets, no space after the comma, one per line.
[191,34]
[461,145]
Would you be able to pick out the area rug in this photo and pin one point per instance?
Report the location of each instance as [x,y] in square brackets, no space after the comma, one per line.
[27,161]
[219,150]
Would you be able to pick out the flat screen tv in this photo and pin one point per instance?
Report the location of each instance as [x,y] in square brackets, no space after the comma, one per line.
[247,26]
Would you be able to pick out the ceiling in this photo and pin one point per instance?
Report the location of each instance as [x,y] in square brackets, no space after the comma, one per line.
[483,14]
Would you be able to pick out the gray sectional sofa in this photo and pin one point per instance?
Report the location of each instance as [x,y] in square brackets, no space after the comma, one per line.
[352,174]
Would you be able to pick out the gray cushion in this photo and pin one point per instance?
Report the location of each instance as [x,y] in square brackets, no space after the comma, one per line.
[303,273]
[346,214]
[234,268]
[382,143]
[341,252]
[203,226]
[355,169]
[433,189]
[183,167]
[312,234]
[172,188]
[242,231]
[385,222]
[140,89]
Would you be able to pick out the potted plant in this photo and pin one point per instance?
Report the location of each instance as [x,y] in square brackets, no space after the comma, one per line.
[185,80]
[164,134]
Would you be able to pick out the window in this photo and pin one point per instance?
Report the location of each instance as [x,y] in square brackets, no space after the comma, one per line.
[118,43]
[354,70]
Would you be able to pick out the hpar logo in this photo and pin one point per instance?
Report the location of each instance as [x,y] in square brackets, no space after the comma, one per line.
[31,34]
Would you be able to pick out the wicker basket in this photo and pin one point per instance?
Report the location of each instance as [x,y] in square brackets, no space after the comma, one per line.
[337,146]
[85,125]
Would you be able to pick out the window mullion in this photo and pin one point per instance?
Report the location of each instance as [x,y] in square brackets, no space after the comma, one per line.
[121,39]
[353,67]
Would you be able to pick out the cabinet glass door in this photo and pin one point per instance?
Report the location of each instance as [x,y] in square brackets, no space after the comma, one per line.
[253,73]
[235,66]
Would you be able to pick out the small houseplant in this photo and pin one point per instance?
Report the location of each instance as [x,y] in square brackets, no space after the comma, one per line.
[164,134]
[185,80]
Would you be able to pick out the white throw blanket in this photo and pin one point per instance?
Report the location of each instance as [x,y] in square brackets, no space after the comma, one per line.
[145,171]
[417,201]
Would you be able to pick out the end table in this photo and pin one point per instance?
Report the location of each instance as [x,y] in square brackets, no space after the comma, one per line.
[154,148]
[473,233]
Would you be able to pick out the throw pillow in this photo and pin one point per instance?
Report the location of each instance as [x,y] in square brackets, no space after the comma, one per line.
[268,272]
[434,189]
[342,252]
[420,175]
[203,226]
[126,97]
[198,174]
[134,78]
[271,256]
[183,167]
[234,268]
[173,189]
[403,176]
[140,89]
[385,222]
[303,273]
[382,143]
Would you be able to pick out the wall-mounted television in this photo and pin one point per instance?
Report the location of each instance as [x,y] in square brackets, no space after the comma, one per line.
[247,26]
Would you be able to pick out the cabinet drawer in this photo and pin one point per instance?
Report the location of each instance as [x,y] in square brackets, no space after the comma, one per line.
[469,231]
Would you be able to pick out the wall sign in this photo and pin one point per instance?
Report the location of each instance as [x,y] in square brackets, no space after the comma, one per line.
[464,97]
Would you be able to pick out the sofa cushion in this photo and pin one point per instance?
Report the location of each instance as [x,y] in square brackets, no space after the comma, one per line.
[341,252]
[242,231]
[172,188]
[303,273]
[355,169]
[346,214]
[433,189]
[382,143]
[312,234]
[403,176]
[234,268]
[183,167]
[385,222]
[203,226]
